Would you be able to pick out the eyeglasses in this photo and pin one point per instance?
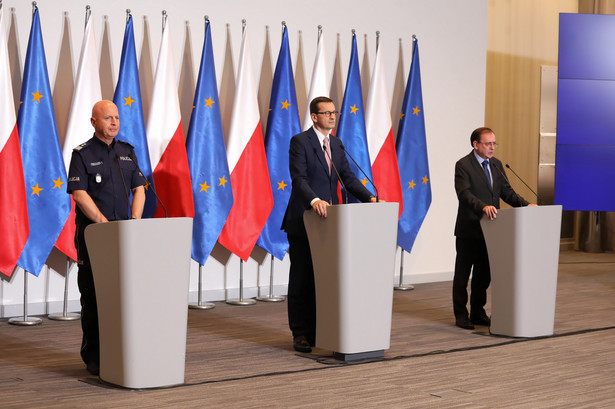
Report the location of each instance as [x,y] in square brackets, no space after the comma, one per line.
[328,113]
[490,144]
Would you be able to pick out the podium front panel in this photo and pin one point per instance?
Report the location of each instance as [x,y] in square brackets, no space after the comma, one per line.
[141,274]
[523,247]
[353,253]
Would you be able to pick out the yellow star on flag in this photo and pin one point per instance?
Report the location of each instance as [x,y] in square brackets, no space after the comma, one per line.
[354,109]
[411,184]
[285,105]
[129,101]
[425,180]
[36,190]
[57,183]
[415,111]
[281,185]
[209,103]
[223,181]
[402,116]
[37,96]
[147,184]
[364,181]
[204,186]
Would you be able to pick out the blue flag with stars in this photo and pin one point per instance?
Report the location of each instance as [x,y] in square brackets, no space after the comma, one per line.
[411,149]
[351,127]
[44,170]
[282,124]
[211,180]
[127,97]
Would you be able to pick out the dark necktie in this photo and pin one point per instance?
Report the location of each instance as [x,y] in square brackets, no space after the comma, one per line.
[486,169]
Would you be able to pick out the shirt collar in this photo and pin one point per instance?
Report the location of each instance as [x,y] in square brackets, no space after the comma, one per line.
[479,159]
[321,137]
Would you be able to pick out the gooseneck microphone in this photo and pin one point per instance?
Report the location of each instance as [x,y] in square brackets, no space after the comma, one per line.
[523,181]
[324,148]
[117,160]
[136,162]
[362,171]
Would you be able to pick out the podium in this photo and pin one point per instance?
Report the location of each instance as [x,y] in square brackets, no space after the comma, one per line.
[523,247]
[141,274]
[353,253]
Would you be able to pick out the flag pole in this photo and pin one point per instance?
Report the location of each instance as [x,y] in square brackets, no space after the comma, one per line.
[402,286]
[201,305]
[65,316]
[271,297]
[241,300]
[25,320]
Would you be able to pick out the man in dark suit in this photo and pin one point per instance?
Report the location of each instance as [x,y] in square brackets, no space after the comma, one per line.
[314,187]
[480,182]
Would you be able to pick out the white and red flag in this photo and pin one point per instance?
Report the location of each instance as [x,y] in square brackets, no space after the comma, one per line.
[79,128]
[319,86]
[247,161]
[165,138]
[13,202]
[380,141]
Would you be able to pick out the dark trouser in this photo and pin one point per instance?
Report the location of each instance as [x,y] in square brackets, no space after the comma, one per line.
[90,347]
[301,297]
[471,253]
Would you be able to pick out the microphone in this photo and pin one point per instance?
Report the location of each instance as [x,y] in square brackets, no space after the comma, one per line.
[361,169]
[324,148]
[117,160]
[136,162]
[531,190]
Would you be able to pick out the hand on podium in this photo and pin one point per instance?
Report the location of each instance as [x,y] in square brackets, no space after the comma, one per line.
[320,208]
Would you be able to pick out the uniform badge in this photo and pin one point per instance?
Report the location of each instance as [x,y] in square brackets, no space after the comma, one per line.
[98,178]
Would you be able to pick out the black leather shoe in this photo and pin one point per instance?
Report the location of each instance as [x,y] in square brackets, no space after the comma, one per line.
[464,323]
[301,344]
[481,320]
[93,368]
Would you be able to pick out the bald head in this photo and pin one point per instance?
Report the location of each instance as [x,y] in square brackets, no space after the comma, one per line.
[105,120]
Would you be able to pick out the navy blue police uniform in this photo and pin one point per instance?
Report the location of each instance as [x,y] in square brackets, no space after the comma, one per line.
[95,168]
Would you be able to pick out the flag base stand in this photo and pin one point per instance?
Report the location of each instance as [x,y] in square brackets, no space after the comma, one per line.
[270,297]
[201,305]
[241,300]
[25,320]
[402,286]
[65,316]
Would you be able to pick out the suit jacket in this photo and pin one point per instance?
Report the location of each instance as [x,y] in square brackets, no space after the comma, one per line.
[310,177]
[474,193]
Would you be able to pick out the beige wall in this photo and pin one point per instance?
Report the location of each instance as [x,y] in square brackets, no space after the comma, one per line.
[522,35]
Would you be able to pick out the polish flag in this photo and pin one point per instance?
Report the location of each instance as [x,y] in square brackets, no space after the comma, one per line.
[79,128]
[318,86]
[165,138]
[13,202]
[247,161]
[380,137]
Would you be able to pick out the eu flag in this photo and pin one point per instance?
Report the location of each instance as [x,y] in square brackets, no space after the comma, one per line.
[44,171]
[127,97]
[411,149]
[211,181]
[283,122]
[351,127]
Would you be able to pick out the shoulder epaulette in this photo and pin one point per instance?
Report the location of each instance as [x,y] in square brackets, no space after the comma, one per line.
[125,143]
[83,145]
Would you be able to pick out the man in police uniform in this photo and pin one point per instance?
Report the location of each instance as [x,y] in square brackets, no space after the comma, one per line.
[101,173]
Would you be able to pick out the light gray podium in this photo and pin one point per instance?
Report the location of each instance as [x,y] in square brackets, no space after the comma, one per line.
[523,247]
[353,253]
[141,273]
